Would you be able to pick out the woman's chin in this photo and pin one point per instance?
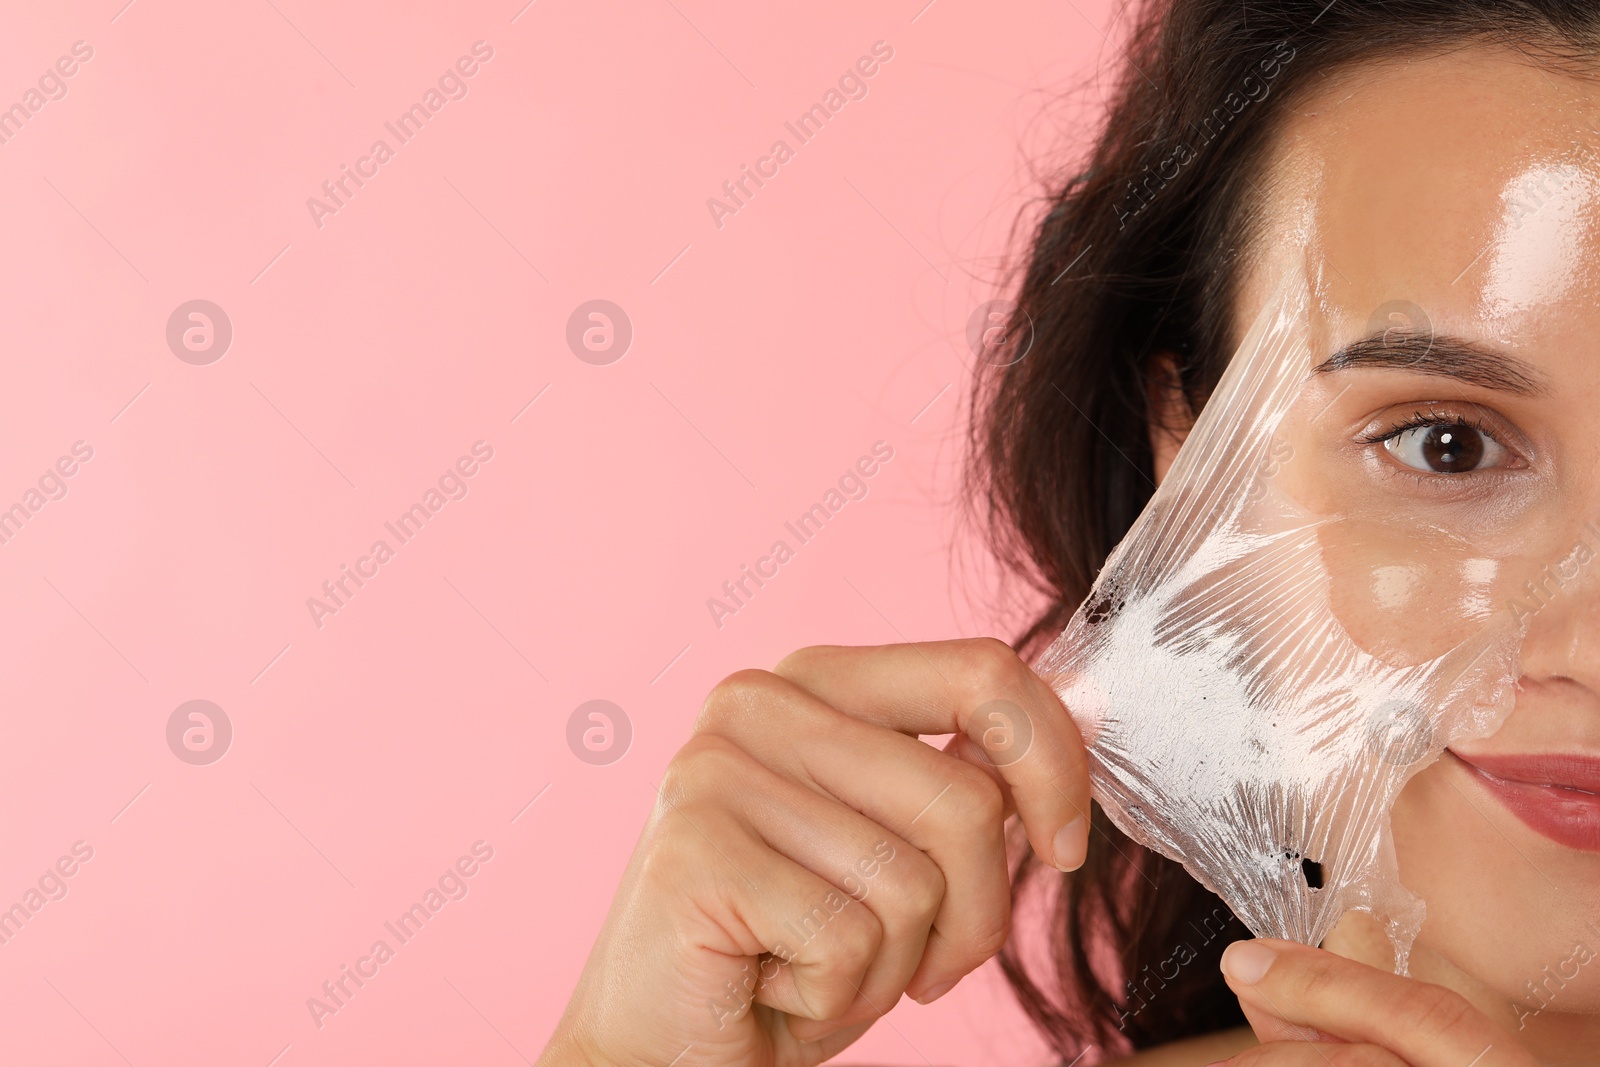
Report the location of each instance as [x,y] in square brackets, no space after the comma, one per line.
[1484,871]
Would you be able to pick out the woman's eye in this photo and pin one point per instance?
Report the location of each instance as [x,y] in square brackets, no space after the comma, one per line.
[1446,448]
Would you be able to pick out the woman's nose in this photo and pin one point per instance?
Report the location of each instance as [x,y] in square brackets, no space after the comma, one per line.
[1560,605]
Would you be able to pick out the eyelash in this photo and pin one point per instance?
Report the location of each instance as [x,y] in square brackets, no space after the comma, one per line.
[1425,419]
[1421,420]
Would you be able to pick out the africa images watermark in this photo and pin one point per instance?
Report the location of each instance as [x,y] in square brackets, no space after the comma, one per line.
[851,486]
[856,884]
[1540,187]
[1252,89]
[452,485]
[52,885]
[52,85]
[52,485]
[852,85]
[451,885]
[1553,980]
[452,85]
[1542,591]
[1139,989]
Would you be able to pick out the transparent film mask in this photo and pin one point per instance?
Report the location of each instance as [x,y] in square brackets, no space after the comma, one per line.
[1288,634]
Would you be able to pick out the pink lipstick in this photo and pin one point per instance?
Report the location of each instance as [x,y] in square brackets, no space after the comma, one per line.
[1556,795]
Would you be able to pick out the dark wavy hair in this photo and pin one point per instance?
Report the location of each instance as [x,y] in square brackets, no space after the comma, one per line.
[1138,253]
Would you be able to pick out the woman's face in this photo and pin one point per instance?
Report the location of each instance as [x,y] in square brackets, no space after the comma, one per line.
[1447,214]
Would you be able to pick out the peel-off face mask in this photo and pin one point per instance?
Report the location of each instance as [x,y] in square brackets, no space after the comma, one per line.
[1289,633]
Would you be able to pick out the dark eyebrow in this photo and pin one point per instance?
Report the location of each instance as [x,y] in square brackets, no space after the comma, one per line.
[1443,356]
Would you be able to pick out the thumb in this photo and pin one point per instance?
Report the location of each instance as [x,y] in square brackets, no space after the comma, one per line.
[1269,1027]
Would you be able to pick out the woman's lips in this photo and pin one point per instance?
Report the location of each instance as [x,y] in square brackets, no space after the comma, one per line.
[1556,795]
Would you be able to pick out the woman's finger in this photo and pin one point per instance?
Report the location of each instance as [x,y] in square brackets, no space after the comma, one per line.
[1425,1025]
[814,945]
[1269,1027]
[831,841]
[948,809]
[1310,1054]
[979,688]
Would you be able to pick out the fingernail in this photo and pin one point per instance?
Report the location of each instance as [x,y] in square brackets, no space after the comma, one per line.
[1247,961]
[1071,845]
[928,996]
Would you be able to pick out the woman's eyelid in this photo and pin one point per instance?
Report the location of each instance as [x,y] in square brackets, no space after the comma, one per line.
[1400,418]
[1428,422]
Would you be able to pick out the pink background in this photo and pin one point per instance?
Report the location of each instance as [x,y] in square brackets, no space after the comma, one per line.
[368,354]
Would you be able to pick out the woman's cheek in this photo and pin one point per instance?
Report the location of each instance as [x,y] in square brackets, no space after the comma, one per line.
[1415,564]
[1495,930]
[1407,581]
[1406,596]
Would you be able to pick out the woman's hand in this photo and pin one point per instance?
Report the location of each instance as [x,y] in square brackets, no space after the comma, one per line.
[1318,1009]
[809,860]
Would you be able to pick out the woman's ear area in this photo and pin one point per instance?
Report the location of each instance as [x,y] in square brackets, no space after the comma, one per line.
[1170,417]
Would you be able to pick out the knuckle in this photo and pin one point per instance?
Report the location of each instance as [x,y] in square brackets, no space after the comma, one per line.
[977,800]
[664,861]
[829,969]
[676,862]
[925,893]
[988,666]
[734,698]
[914,892]
[802,661]
[853,943]
[825,999]
[970,806]
[706,764]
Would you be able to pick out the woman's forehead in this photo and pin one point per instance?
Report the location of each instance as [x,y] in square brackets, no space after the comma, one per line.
[1465,187]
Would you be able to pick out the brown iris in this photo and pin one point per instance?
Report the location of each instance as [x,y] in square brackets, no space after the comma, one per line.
[1452,448]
